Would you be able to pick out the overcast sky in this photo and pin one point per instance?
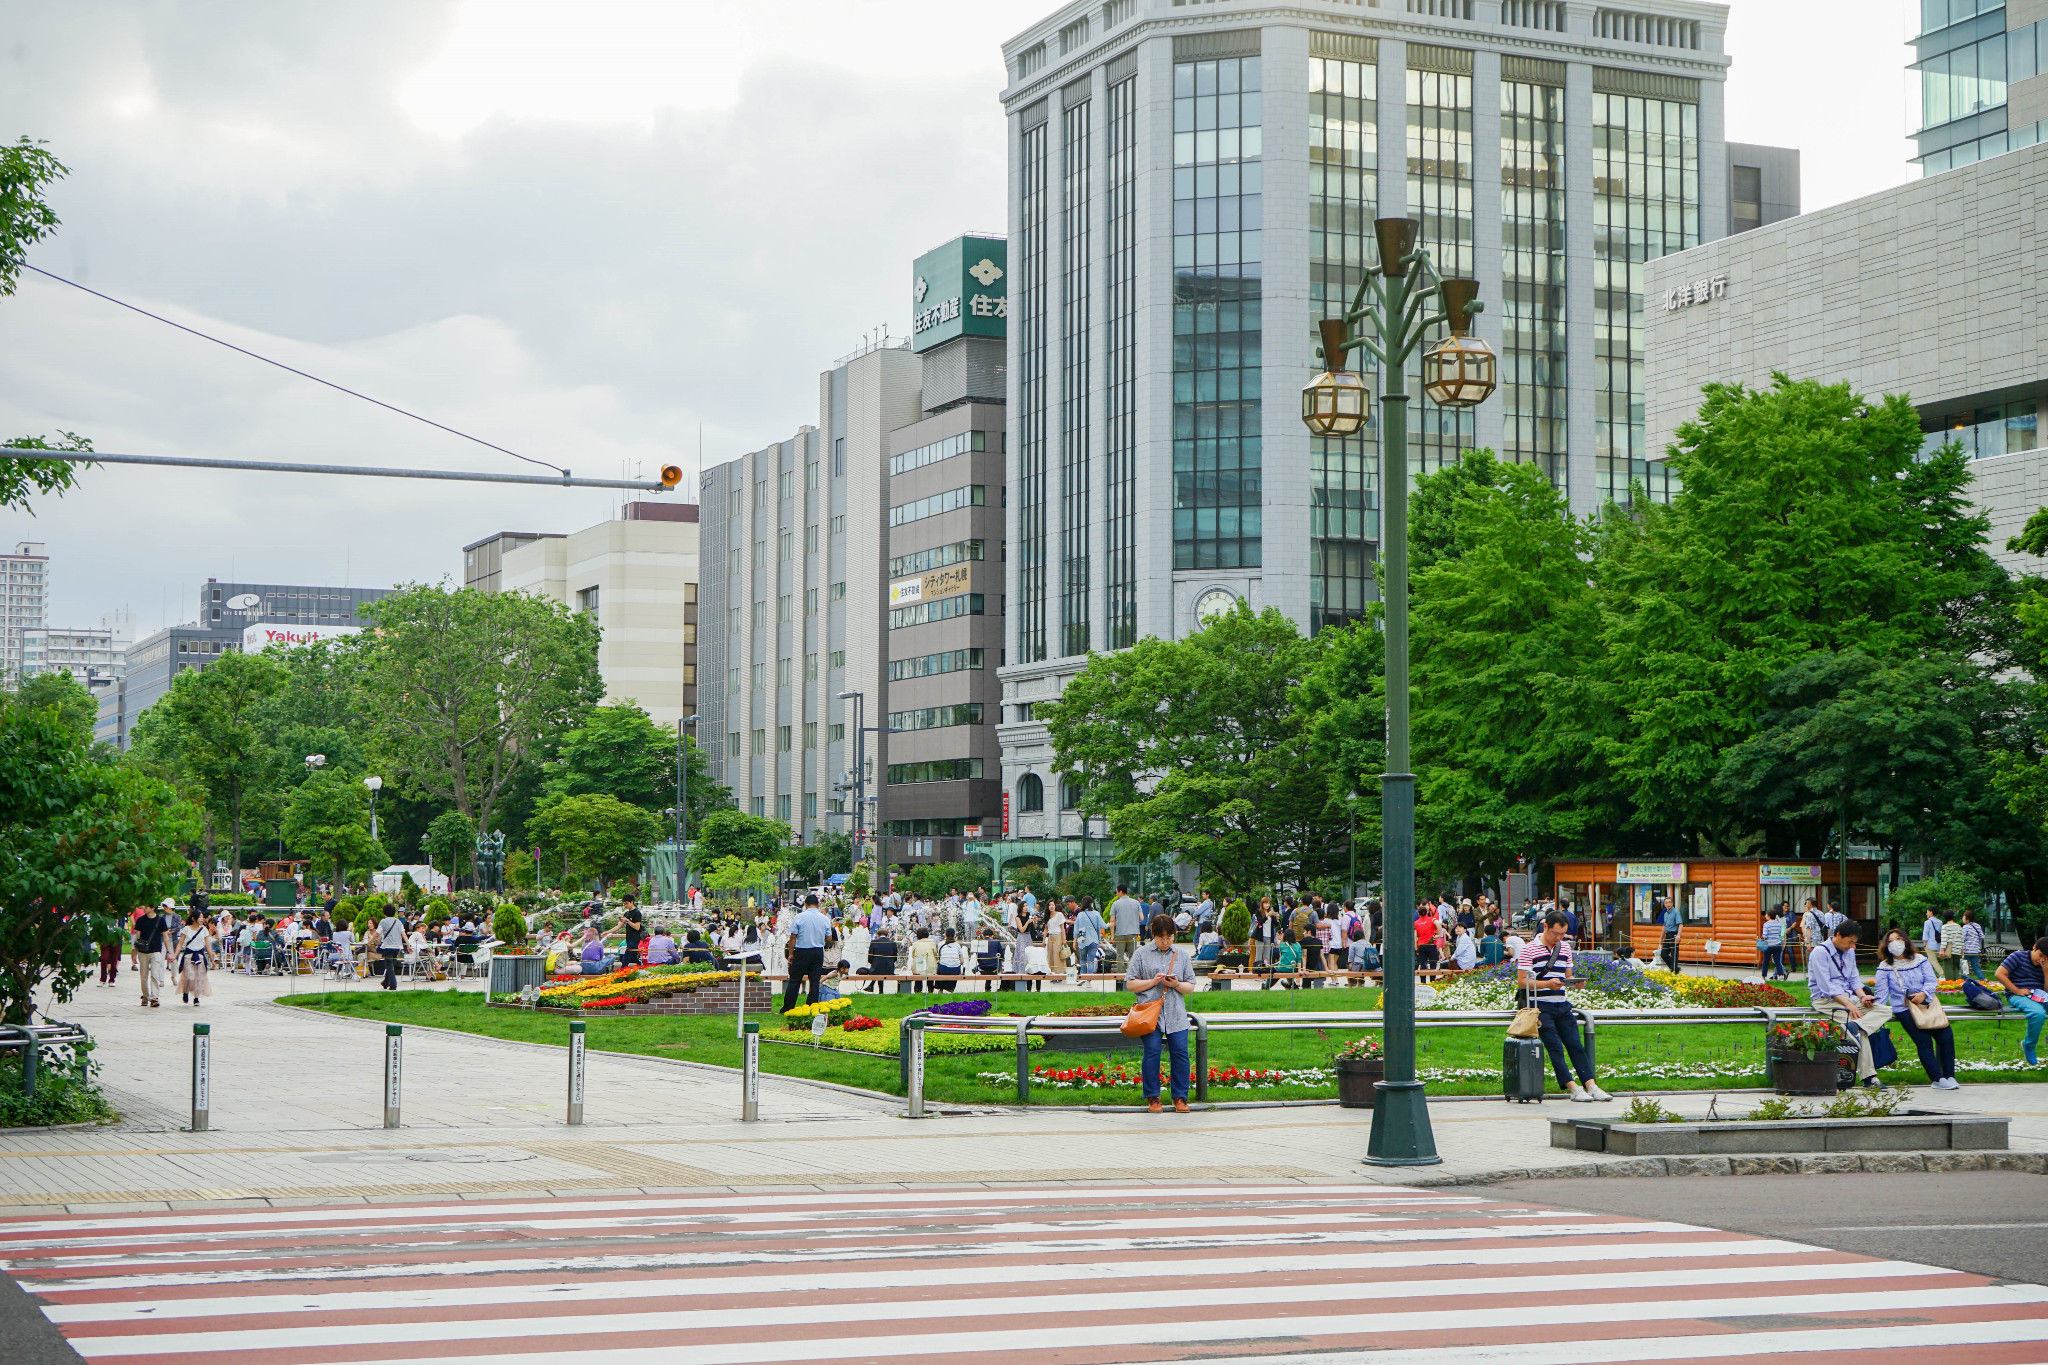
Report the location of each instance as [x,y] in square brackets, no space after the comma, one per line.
[585,231]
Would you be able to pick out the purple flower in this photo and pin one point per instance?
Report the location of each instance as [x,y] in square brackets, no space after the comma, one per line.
[963,1008]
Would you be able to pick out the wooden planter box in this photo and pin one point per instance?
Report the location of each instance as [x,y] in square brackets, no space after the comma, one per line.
[1921,1130]
[1795,1073]
[1356,1079]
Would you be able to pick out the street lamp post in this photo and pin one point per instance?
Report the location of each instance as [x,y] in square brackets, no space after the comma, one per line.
[860,777]
[375,784]
[1393,310]
[682,803]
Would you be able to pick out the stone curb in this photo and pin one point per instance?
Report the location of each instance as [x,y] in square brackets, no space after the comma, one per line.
[2034,1163]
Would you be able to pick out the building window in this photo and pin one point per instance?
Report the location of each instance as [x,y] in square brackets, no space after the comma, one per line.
[1217,216]
[732,678]
[838,457]
[782,739]
[1030,793]
[1121,626]
[732,619]
[1746,198]
[754,806]
[733,564]
[786,484]
[785,545]
[760,742]
[944,450]
[936,770]
[782,607]
[938,557]
[1070,794]
[810,475]
[936,717]
[1074,394]
[952,500]
[735,502]
[1440,195]
[1646,186]
[835,734]
[782,808]
[810,668]
[732,744]
[944,609]
[838,659]
[760,676]
[1343,168]
[838,592]
[839,524]
[811,539]
[760,556]
[810,805]
[782,672]
[1031,294]
[810,601]
[761,614]
[810,734]
[1532,173]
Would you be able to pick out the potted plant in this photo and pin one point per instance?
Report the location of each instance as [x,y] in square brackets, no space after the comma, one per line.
[1360,1066]
[1236,930]
[1803,1056]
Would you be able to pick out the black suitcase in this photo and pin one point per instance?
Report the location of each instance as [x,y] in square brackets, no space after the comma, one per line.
[1521,1070]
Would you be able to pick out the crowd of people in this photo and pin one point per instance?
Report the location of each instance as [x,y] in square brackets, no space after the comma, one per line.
[183,945]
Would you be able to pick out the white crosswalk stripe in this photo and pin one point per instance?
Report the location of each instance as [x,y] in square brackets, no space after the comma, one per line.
[1075,1276]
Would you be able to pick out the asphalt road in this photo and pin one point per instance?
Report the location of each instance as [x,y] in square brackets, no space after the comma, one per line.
[1985,1222]
[26,1336]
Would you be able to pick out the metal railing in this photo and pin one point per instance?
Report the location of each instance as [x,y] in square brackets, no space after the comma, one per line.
[1022,1027]
[31,1039]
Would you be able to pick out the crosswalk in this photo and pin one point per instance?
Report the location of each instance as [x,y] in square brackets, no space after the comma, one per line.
[1073,1275]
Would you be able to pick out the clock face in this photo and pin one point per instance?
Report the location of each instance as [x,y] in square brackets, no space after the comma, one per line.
[1213,604]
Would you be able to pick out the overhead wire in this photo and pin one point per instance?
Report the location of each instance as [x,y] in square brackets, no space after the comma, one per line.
[254,355]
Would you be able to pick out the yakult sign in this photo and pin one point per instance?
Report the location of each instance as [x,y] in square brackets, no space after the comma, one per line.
[265,634]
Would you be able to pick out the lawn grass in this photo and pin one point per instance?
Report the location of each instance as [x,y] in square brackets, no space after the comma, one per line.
[1454,1060]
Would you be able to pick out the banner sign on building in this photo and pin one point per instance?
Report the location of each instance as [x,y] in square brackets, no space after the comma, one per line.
[925,587]
[1787,874]
[264,634]
[960,289]
[1655,873]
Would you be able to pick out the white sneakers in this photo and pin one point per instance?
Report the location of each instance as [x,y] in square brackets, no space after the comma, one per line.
[1947,1083]
[1587,1094]
[1593,1089]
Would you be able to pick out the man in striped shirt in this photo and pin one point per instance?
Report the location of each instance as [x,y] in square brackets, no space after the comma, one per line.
[1545,968]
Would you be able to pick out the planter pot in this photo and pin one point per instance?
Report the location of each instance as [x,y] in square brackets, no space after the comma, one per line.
[1914,1131]
[1795,1073]
[1356,1079]
[1233,962]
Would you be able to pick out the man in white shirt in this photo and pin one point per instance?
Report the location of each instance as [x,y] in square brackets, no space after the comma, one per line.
[1126,921]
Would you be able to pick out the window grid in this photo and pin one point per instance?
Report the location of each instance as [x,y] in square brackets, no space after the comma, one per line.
[1074,394]
[1533,277]
[1031,400]
[1440,194]
[930,665]
[1217,141]
[1343,169]
[1646,187]
[938,557]
[1121,627]
[938,504]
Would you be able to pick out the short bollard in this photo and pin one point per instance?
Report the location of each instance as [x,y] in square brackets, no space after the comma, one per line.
[202,1059]
[575,1072]
[750,1073]
[394,1070]
[913,1044]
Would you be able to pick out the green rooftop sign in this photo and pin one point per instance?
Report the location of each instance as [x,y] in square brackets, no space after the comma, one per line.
[960,289]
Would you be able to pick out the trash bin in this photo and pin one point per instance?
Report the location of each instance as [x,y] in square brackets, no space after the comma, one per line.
[513,973]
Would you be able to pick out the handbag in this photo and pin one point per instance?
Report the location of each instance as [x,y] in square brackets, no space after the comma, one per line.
[1527,1023]
[1928,1018]
[1142,1019]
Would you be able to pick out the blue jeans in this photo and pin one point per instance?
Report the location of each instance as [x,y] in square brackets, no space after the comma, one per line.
[1971,962]
[1560,1034]
[1774,961]
[1177,1044]
[2037,1015]
[1091,953]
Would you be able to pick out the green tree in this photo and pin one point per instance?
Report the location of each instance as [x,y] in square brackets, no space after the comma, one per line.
[619,750]
[601,836]
[328,818]
[1808,522]
[730,834]
[1508,712]
[60,692]
[829,852]
[27,171]
[1195,748]
[1092,881]
[1948,892]
[83,840]
[459,688]
[207,730]
[729,877]
[451,842]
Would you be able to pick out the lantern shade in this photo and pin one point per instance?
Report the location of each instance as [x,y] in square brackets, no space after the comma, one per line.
[1335,403]
[1459,372]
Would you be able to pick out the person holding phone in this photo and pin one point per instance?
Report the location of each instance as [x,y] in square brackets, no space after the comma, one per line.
[1545,970]
[1160,971]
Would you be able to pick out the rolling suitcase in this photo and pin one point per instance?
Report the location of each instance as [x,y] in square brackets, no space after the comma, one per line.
[1521,1070]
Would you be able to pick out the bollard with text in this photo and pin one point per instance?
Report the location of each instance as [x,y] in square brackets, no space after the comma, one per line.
[913,1046]
[394,1069]
[750,1074]
[202,1086]
[575,1072]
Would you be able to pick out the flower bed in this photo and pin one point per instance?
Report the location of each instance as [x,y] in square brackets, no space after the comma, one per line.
[1713,992]
[1609,986]
[630,985]
[963,1009]
[828,1008]
[884,1038]
[1120,1077]
[860,1023]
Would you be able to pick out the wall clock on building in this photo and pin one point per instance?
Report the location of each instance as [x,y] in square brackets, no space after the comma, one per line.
[1213,603]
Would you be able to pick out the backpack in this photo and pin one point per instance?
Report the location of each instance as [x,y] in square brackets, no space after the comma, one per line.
[1980,997]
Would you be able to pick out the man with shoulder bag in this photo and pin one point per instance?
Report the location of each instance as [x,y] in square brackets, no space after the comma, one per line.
[1545,969]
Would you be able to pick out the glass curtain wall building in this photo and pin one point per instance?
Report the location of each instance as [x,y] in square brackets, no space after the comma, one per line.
[1977,86]
[1193,187]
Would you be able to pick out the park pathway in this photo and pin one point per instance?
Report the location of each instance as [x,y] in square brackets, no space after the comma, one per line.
[1054,1276]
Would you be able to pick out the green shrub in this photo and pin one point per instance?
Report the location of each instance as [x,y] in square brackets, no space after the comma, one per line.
[437,912]
[509,926]
[1236,925]
[230,898]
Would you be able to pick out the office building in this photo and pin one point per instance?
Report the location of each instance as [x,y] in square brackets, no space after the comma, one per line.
[795,548]
[1192,187]
[24,604]
[636,576]
[1934,290]
[1980,80]
[229,615]
[483,561]
[93,655]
